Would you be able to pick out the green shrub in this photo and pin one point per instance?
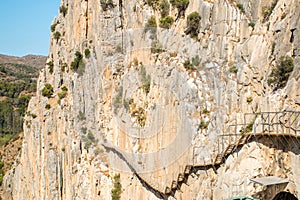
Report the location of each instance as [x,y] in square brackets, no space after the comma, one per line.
[48,106]
[203,125]
[78,64]
[193,24]
[87,53]
[205,111]
[84,130]
[249,99]
[248,128]
[63,67]
[233,69]
[196,60]
[241,7]
[146,79]
[117,189]
[188,65]
[146,85]
[91,137]
[134,8]
[281,73]
[62,94]
[57,35]
[164,8]
[151,24]
[53,26]
[47,91]
[153,3]
[63,10]
[166,22]
[51,65]
[181,5]
[64,88]
[106,4]
[252,24]
[81,115]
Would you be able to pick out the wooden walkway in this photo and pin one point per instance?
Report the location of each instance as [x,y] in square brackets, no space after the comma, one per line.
[272,124]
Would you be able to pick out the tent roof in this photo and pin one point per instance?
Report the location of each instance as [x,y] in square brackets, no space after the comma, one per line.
[269,180]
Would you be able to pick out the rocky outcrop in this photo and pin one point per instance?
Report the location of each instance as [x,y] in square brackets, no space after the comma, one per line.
[146,102]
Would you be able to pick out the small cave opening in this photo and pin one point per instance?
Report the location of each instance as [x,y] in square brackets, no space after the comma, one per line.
[292,35]
[285,196]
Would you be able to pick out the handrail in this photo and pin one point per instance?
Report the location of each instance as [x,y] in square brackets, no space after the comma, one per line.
[221,150]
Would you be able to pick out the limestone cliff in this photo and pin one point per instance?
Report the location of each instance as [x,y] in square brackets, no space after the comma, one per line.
[123,95]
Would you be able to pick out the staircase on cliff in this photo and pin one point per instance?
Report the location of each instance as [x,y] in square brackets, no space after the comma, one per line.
[273,124]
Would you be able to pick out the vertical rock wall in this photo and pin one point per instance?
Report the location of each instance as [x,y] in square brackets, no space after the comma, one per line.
[157,114]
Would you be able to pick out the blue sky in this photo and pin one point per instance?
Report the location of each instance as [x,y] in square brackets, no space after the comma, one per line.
[25,26]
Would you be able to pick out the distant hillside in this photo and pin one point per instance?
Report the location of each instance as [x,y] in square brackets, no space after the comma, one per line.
[31,60]
[18,77]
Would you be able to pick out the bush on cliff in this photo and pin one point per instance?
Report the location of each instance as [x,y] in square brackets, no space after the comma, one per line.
[193,24]
[281,73]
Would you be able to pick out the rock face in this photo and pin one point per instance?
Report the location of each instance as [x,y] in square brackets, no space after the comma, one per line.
[152,103]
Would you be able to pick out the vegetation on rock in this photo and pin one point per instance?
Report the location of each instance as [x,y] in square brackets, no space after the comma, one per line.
[47,91]
[50,65]
[106,4]
[233,69]
[249,99]
[241,7]
[87,53]
[252,24]
[78,65]
[63,9]
[53,26]
[164,8]
[188,65]
[81,116]
[151,25]
[63,93]
[146,79]
[56,35]
[48,106]
[203,125]
[193,24]
[152,3]
[166,22]
[196,60]
[181,5]
[117,189]
[281,73]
